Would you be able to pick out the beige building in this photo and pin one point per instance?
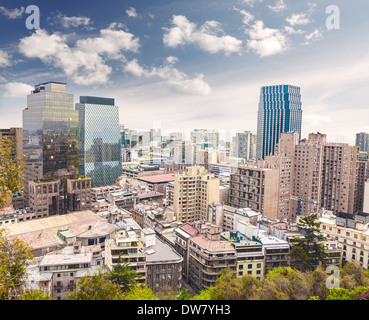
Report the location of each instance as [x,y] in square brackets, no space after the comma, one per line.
[44,197]
[193,190]
[208,254]
[330,174]
[250,256]
[126,246]
[255,186]
[283,159]
[351,233]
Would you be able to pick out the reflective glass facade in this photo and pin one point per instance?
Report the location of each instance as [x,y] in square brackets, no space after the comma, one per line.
[279,111]
[50,133]
[99,140]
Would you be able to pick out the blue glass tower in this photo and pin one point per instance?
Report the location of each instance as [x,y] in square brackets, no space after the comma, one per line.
[99,140]
[279,111]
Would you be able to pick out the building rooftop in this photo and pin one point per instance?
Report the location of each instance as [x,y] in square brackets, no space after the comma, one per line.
[100,228]
[161,252]
[66,259]
[212,245]
[160,178]
[192,231]
[41,233]
[148,194]
[239,239]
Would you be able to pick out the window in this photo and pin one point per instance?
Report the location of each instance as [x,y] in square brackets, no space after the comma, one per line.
[249,266]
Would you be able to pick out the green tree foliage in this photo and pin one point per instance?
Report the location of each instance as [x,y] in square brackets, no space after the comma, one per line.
[138,292]
[11,170]
[15,257]
[317,284]
[184,295]
[353,275]
[230,287]
[203,295]
[345,294]
[123,275]
[311,243]
[35,295]
[299,259]
[283,284]
[168,293]
[94,287]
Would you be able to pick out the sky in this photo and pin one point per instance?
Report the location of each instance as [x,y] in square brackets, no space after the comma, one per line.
[180,65]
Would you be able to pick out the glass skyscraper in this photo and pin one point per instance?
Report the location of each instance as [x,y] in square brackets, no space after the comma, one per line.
[279,111]
[50,145]
[99,140]
[50,133]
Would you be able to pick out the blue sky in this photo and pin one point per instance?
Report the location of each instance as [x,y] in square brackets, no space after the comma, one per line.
[192,64]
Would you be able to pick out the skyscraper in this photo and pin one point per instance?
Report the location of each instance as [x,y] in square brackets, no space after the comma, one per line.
[50,132]
[279,111]
[362,141]
[99,140]
[50,145]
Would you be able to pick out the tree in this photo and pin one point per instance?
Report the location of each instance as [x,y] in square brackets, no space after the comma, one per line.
[311,243]
[138,292]
[184,295]
[15,257]
[203,295]
[345,294]
[227,287]
[11,170]
[353,275]
[35,295]
[317,283]
[123,275]
[283,283]
[94,287]
[168,293]
[299,260]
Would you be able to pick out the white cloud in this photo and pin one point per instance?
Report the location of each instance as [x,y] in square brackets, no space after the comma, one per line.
[4,59]
[266,41]
[280,5]
[173,77]
[131,12]
[12,13]
[313,36]
[291,30]
[209,37]
[85,63]
[247,16]
[74,22]
[251,2]
[298,19]
[16,90]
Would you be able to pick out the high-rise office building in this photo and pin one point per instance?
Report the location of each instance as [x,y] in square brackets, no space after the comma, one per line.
[279,111]
[50,132]
[50,145]
[362,141]
[99,140]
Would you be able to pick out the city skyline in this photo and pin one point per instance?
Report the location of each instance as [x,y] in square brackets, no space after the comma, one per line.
[191,65]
